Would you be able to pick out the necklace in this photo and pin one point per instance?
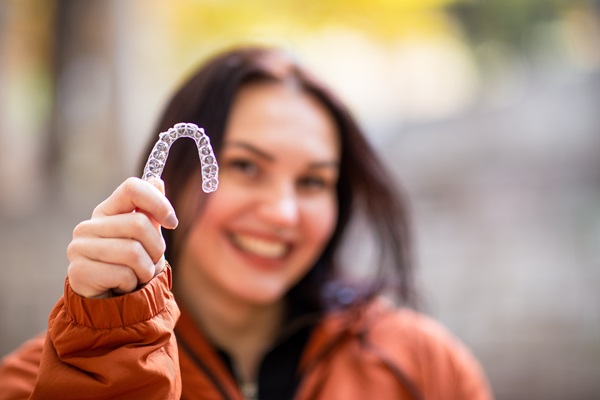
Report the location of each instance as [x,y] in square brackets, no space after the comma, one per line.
[249,390]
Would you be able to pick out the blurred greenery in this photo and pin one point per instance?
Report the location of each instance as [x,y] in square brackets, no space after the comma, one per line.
[509,21]
[502,20]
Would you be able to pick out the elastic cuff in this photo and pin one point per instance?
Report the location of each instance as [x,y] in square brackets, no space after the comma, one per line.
[128,309]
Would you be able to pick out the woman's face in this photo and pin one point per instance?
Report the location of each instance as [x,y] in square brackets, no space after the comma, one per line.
[276,206]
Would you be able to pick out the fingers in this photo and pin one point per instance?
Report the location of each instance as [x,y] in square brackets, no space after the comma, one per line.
[93,279]
[136,194]
[126,252]
[135,226]
[99,265]
[121,246]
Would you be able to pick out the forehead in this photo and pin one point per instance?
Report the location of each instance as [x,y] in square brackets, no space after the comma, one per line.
[283,118]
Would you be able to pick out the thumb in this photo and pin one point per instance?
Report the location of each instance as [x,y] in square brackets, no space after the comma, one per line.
[157,183]
[160,185]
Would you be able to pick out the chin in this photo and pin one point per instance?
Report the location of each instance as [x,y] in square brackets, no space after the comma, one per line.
[261,295]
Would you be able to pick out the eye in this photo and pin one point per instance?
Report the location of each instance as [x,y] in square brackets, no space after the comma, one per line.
[313,183]
[243,166]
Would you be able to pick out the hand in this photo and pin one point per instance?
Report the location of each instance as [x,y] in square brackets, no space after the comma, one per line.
[121,246]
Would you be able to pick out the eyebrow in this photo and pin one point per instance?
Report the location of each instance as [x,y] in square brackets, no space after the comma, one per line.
[252,149]
[271,158]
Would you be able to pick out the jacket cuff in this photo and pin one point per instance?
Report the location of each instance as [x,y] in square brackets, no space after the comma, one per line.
[121,311]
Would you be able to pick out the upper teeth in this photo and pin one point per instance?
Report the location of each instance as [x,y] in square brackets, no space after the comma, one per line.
[261,247]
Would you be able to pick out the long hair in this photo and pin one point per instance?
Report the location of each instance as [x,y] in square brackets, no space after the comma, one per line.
[364,185]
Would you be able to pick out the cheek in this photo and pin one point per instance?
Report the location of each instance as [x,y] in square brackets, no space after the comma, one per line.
[322,221]
[220,206]
[205,224]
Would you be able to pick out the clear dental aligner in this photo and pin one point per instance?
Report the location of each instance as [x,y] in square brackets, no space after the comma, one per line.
[158,156]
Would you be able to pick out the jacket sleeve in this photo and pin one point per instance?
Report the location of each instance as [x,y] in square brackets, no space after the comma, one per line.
[18,370]
[117,348]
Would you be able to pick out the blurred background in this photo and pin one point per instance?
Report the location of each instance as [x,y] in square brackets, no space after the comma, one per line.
[487,111]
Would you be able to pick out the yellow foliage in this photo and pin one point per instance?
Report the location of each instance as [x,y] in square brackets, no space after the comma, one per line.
[384,19]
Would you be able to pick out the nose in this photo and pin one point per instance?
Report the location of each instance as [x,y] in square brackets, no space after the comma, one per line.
[279,206]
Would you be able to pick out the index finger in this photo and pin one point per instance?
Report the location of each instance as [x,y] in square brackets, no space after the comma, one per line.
[136,194]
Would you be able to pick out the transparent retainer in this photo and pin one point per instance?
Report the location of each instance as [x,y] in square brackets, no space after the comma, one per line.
[158,156]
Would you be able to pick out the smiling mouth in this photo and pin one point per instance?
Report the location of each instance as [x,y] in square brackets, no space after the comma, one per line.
[260,247]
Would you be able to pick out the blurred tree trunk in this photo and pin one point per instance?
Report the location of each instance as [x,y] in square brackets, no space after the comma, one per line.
[81,155]
[25,97]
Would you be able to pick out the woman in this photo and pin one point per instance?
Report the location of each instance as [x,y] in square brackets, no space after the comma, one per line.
[259,308]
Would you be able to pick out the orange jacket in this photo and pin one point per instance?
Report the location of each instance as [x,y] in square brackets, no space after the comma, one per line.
[125,348]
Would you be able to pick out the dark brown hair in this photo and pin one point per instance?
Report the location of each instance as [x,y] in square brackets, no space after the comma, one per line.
[364,185]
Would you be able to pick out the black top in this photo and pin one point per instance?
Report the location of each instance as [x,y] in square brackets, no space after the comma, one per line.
[277,374]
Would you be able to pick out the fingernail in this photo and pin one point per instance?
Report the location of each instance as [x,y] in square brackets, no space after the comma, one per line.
[171,221]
